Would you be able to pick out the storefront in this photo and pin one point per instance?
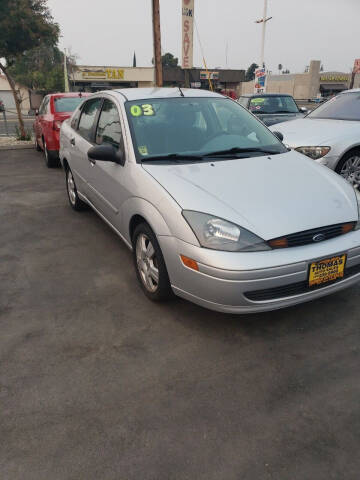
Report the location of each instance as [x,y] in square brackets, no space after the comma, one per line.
[332,83]
[95,78]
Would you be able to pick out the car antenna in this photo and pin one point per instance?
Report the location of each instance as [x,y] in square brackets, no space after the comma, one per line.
[181,92]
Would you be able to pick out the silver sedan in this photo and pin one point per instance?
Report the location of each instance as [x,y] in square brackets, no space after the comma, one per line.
[213,206]
[330,135]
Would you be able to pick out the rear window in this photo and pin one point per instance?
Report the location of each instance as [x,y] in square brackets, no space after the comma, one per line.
[67,104]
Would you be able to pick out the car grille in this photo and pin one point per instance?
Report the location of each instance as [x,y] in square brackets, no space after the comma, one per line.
[294,288]
[307,237]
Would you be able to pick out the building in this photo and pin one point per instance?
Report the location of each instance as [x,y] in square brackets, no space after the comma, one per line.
[95,78]
[7,97]
[198,78]
[305,86]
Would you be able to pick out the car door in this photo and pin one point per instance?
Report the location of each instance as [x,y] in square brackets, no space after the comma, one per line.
[81,139]
[40,120]
[106,179]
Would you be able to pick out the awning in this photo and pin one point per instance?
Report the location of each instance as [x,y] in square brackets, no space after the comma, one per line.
[334,86]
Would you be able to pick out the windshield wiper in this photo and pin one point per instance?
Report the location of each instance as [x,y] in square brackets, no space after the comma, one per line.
[235,150]
[173,156]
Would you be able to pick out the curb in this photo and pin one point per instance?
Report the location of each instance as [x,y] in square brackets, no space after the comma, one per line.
[16,147]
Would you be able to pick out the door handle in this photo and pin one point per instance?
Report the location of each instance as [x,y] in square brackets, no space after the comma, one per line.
[72,141]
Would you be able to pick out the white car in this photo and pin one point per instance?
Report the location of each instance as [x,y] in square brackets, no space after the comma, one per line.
[330,135]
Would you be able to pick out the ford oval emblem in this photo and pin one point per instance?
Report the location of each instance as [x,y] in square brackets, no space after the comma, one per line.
[319,237]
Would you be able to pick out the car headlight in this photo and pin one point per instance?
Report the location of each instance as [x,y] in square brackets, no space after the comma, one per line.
[357,193]
[314,152]
[219,234]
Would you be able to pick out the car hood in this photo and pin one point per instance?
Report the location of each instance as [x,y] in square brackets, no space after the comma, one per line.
[311,131]
[274,118]
[269,195]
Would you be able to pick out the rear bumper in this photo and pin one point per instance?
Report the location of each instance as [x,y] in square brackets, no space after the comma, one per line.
[234,288]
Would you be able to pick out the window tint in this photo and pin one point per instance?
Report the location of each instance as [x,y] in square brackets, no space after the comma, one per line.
[67,104]
[109,128]
[43,106]
[345,106]
[273,104]
[88,114]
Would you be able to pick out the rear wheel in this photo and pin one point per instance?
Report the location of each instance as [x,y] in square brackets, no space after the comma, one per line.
[73,196]
[349,167]
[150,265]
[51,159]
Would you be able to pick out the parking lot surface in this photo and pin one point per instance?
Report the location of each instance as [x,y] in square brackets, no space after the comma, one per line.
[97,382]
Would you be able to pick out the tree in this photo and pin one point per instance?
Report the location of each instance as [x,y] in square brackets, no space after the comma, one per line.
[250,72]
[168,60]
[27,24]
[280,68]
[40,69]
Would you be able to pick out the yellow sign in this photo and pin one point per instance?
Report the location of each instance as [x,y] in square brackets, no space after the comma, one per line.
[334,78]
[108,74]
[327,270]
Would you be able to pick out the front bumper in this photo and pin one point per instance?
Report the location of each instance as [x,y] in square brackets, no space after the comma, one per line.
[229,281]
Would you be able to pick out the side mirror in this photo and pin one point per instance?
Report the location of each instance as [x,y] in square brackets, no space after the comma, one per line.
[303,110]
[279,135]
[106,153]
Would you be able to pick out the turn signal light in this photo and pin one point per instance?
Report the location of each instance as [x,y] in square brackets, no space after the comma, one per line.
[189,262]
[347,227]
[278,243]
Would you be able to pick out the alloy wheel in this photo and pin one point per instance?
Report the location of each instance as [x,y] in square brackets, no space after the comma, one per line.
[71,188]
[147,263]
[351,170]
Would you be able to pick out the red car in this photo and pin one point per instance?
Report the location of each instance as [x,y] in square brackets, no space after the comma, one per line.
[54,109]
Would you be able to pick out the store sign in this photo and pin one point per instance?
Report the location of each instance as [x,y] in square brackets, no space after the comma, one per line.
[260,80]
[187,33]
[205,75]
[107,74]
[334,78]
[357,66]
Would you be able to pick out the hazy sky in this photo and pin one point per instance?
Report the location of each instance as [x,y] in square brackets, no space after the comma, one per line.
[107,32]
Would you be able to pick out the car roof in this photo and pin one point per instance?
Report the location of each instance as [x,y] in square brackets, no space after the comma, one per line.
[69,94]
[162,92]
[250,95]
[353,90]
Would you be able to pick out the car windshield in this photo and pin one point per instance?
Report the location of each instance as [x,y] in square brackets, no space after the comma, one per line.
[345,106]
[273,104]
[67,104]
[196,127]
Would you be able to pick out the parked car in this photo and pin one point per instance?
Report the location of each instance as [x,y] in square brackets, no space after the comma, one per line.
[330,135]
[272,107]
[199,190]
[54,109]
[2,106]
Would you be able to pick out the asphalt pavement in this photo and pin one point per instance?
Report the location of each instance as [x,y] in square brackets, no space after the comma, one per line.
[97,382]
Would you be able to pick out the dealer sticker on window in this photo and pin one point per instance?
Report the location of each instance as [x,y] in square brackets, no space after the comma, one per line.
[146,109]
[143,150]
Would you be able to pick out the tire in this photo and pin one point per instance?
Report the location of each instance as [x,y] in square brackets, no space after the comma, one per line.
[349,167]
[51,160]
[37,146]
[72,194]
[150,265]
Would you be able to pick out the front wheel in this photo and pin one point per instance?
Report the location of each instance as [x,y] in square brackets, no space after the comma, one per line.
[349,167]
[37,146]
[150,265]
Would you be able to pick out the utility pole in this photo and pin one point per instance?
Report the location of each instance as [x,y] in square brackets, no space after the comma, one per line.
[157,43]
[264,20]
[66,78]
